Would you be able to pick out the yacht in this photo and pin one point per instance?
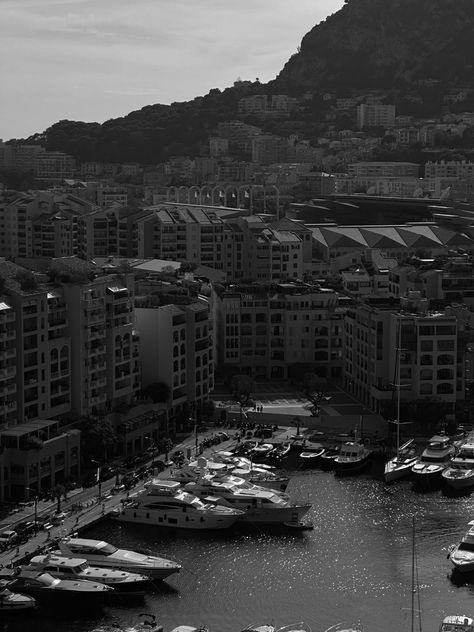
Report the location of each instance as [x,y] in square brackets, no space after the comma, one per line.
[436,457]
[167,504]
[261,452]
[399,466]
[457,623]
[58,592]
[459,475]
[12,602]
[462,554]
[260,474]
[105,555]
[258,505]
[353,458]
[78,568]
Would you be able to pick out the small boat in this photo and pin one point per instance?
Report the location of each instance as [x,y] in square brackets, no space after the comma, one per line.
[147,624]
[327,459]
[460,473]
[462,555]
[292,627]
[435,458]
[70,568]
[311,455]
[457,623]
[105,555]
[58,592]
[13,601]
[260,452]
[166,504]
[280,452]
[353,459]
[400,465]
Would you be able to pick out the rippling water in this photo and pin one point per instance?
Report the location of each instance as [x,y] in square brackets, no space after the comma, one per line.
[354,566]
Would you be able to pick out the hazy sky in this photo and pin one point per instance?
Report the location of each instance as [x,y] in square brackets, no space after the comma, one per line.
[92,60]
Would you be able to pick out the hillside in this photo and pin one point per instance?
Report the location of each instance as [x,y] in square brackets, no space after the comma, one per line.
[384,45]
[380,44]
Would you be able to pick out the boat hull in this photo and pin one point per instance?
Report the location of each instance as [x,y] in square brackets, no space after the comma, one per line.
[458,479]
[280,516]
[397,470]
[427,478]
[462,561]
[177,520]
[308,460]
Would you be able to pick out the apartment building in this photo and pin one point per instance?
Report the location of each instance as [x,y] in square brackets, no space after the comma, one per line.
[380,169]
[19,157]
[218,146]
[54,166]
[267,330]
[8,399]
[267,149]
[449,169]
[432,352]
[177,347]
[375,115]
[110,231]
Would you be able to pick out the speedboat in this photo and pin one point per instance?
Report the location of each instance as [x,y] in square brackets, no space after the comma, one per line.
[105,555]
[292,627]
[13,601]
[460,472]
[147,624]
[258,505]
[59,592]
[436,457]
[311,455]
[353,459]
[280,452]
[457,623]
[400,465]
[167,504]
[462,554]
[70,568]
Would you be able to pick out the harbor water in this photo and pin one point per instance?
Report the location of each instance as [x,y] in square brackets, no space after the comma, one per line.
[355,566]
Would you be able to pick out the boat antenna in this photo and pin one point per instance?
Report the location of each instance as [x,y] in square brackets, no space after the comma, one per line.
[399,348]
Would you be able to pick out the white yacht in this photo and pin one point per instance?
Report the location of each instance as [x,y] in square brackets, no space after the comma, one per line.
[462,554]
[457,623]
[259,474]
[13,601]
[167,504]
[435,458]
[260,505]
[105,555]
[353,458]
[460,473]
[399,466]
[78,568]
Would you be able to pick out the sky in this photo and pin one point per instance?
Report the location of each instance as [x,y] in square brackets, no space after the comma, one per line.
[92,60]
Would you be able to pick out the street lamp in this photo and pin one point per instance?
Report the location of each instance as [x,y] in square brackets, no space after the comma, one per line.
[36,504]
[153,446]
[99,482]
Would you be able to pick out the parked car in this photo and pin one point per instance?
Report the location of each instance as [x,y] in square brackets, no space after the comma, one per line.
[8,538]
[159,465]
[25,528]
[59,518]
[223,435]
[178,456]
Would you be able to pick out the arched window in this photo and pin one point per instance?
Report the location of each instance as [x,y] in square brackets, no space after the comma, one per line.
[445,374]
[183,363]
[175,351]
[198,361]
[175,336]
[183,348]
[182,334]
[198,376]
[426,374]
[445,388]
[175,365]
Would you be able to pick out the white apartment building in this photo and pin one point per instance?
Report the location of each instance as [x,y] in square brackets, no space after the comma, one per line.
[449,169]
[382,169]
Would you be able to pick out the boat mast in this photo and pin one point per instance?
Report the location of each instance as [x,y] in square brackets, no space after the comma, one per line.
[399,345]
[413,578]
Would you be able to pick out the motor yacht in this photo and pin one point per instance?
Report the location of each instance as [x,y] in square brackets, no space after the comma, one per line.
[58,592]
[258,505]
[459,474]
[261,452]
[457,623]
[13,601]
[105,555]
[462,555]
[436,457]
[79,568]
[166,504]
[260,474]
[353,458]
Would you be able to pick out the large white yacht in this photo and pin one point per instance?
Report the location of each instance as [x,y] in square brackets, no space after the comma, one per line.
[78,568]
[259,504]
[435,458]
[259,474]
[460,473]
[167,504]
[105,555]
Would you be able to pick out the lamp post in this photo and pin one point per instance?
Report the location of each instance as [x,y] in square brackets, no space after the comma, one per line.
[36,505]
[99,482]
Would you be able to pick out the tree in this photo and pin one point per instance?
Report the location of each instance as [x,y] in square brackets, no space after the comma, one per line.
[26,280]
[242,388]
[57,492]
[314,389]
[159,392]
[98,438]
